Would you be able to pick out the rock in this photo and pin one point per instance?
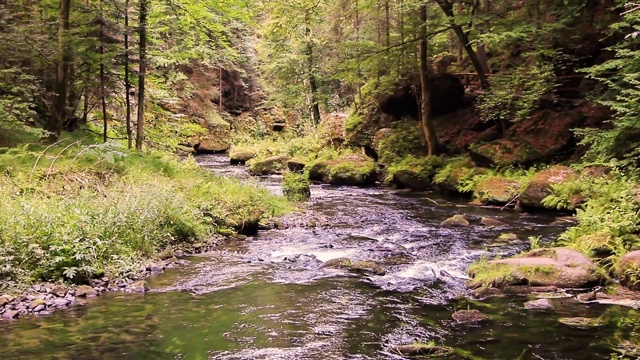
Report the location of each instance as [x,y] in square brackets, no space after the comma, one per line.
[35,303]
[210,146]
[296,166]
[269,166]
[539,304]
[422,350]
[472,316]
[503,153]
[595,172]
[5,299]
[339,263]
[60,302]
[409,179]
[497,190]
[455,221]
[583,322]
[627,269]
[560,267]
[59,290]
[182,150]
[155,267]
[39,308]
[355,169]
[240,157]
[486,293]
[86,291]
[139,287]
[487,221]
[11,314]
[367,267]
[541,185]
[508,237]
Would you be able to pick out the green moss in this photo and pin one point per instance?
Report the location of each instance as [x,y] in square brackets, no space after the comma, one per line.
[488,274]
[353,121]
[424,167]
[296,186]
[405,140]
[352,169]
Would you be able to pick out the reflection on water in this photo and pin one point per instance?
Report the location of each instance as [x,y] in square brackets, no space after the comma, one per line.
[270,298]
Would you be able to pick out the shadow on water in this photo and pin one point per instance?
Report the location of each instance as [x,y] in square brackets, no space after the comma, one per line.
[270,298]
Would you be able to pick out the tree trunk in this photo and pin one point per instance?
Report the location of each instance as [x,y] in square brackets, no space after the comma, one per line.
[142,73]
[103,91]
[447,8]
[54,126]
[311,77]
[425,95]
[485,8]
[127,81]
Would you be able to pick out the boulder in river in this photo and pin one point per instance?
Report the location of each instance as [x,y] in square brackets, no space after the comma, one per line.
[339,263]
[560,267]
[269,166]
[471,316]
[367,267]
[455,221]
[355,169]
[539,304]
[240,157]
[419,349]
[139,287]
[487,221]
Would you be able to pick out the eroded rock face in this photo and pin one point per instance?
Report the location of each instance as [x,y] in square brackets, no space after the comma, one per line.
[541,185]
[356,170]
[559,267]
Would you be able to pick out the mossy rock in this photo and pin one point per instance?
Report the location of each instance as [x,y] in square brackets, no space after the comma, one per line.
[503,153]
[207,145]
[367,267]
[355,170]
[269,166]
[542,183]
[497,190]
[415,173]
[339,263]
[471,316]
[455,221]
[627,269]
[240,157]
[559,267]
[404,139]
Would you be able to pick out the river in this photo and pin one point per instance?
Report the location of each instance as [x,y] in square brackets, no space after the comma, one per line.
[268,297]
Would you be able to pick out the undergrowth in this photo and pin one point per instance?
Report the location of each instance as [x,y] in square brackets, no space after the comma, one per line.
[75,211]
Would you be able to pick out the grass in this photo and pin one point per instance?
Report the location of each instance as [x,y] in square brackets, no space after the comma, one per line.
[488,274]
[77,211]
[424,167]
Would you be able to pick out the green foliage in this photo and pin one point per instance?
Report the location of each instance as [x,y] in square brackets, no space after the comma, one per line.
[405,140]
[620,77]
[514,95]
[612,208]
[109,209]
[296,186]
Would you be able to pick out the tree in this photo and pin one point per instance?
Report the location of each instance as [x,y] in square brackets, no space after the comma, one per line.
[142,31]
[427,127]
[54,126]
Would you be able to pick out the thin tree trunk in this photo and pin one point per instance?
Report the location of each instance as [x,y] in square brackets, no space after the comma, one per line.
[62,75]
[142,73]
[127,81]
[485,8]
[425,95]
[102,87]
[220,86]
[464,39]
[313,84]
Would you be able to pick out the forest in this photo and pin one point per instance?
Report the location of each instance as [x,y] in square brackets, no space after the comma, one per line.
[139,133]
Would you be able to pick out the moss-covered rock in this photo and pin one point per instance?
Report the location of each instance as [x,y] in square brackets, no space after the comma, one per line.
[414,173]
[339,263]
[560,267]
[497,190]
[404,139]
[367,267]
[268,166]
[240,157]
[422,350]
[627,269]
[471,316]
[355,169]
[503,153]
[207,145]
[455,221]
[541,185]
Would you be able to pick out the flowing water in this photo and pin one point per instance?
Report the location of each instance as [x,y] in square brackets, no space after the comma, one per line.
[268,297]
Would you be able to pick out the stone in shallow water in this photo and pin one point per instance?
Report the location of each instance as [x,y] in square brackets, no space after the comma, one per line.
[485,293]
[472,316]
[86,291]
[455,221]
[487,221]
[39,308]
[339,263]
[422,350]
[139,286]
[539,304]
[367,267]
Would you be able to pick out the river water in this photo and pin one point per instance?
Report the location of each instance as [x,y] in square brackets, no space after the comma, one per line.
[269,298]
